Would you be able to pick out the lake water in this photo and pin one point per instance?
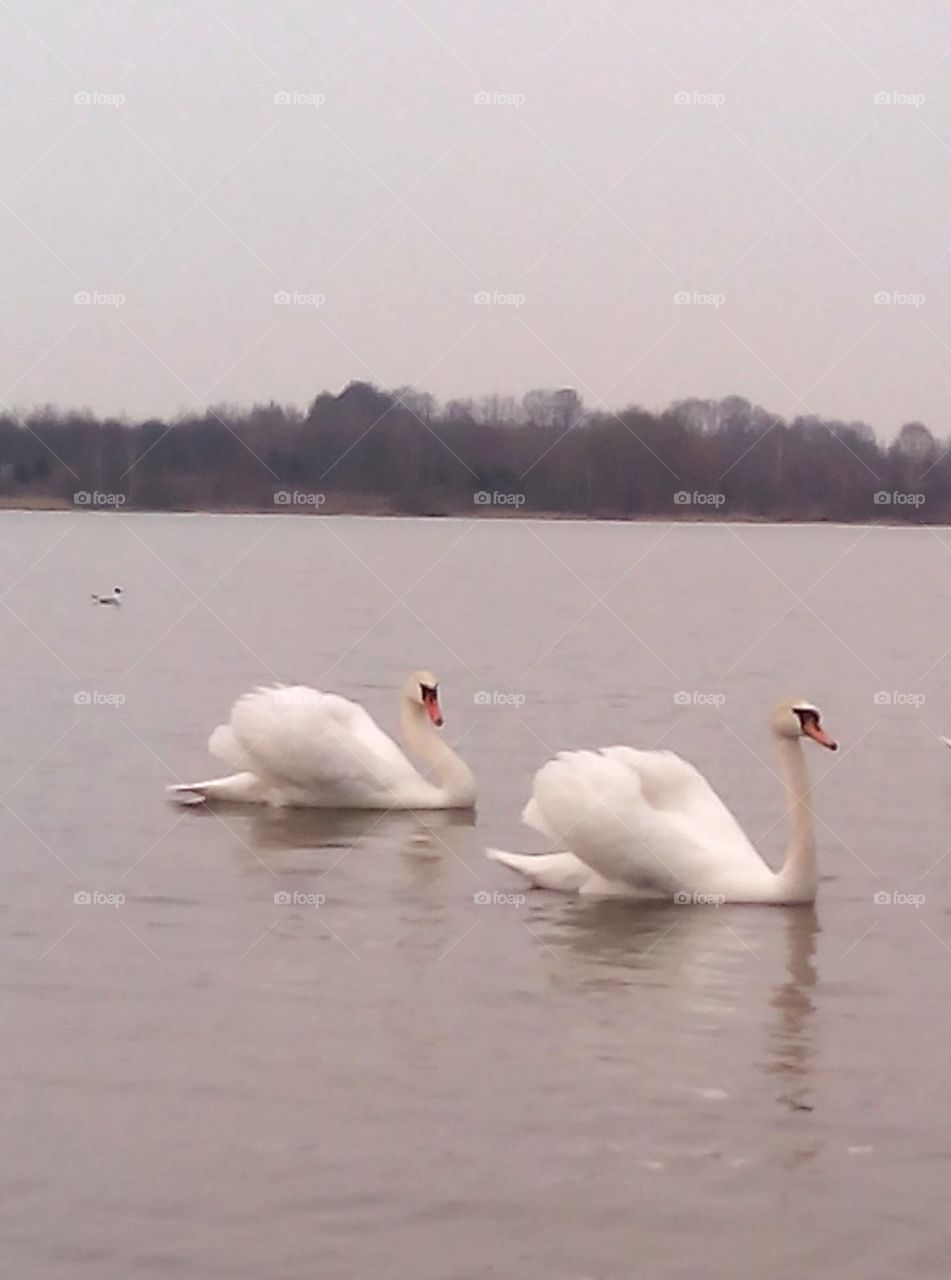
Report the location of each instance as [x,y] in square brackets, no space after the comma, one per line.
[407,1082]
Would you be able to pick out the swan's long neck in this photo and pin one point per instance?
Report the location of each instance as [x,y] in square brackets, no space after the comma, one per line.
[799,877]
[454,775]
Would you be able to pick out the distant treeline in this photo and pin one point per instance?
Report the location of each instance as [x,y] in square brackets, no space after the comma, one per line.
[399,451]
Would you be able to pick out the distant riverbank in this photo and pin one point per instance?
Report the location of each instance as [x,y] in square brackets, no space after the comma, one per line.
[360,505]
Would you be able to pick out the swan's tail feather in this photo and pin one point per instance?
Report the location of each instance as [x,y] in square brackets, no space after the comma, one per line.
[236,786]
[563,871]
[185,795]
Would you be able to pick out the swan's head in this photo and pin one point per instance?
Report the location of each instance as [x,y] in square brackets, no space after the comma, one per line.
[422,690]
[797,718]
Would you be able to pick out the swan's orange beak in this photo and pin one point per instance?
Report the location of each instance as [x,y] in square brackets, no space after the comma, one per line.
[812,729]
[431,702]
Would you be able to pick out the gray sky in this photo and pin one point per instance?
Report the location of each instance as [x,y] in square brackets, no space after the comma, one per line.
[780,197]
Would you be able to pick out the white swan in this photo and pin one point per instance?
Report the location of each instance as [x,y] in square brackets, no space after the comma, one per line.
[648,823]
[297,746]
[114,598]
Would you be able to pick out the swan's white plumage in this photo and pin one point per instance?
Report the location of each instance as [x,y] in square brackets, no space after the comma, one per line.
[295,736]
[292,745]
[648,823]
[645,819]
[563,871]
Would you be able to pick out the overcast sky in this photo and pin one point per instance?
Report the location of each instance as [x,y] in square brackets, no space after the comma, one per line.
[780,197]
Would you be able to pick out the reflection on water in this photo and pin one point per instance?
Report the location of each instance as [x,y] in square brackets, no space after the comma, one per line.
[791,1048]
[619,935]
[266,829]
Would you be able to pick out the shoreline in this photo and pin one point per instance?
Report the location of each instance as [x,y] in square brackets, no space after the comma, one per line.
[479,513]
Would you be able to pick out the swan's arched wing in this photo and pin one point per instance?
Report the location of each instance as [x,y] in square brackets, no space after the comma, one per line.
[647,823]
[672,784]
[313,740]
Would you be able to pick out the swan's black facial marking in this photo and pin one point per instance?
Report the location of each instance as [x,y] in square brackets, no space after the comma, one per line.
[428,691]
[807,715]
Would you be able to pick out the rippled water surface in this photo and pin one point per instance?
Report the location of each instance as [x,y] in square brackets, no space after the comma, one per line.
[407,1081]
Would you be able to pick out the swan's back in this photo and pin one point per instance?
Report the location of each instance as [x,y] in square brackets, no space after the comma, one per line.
[314,741]
[647,818]
[672,784]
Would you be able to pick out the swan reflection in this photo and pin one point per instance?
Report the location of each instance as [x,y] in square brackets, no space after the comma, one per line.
[267,829]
